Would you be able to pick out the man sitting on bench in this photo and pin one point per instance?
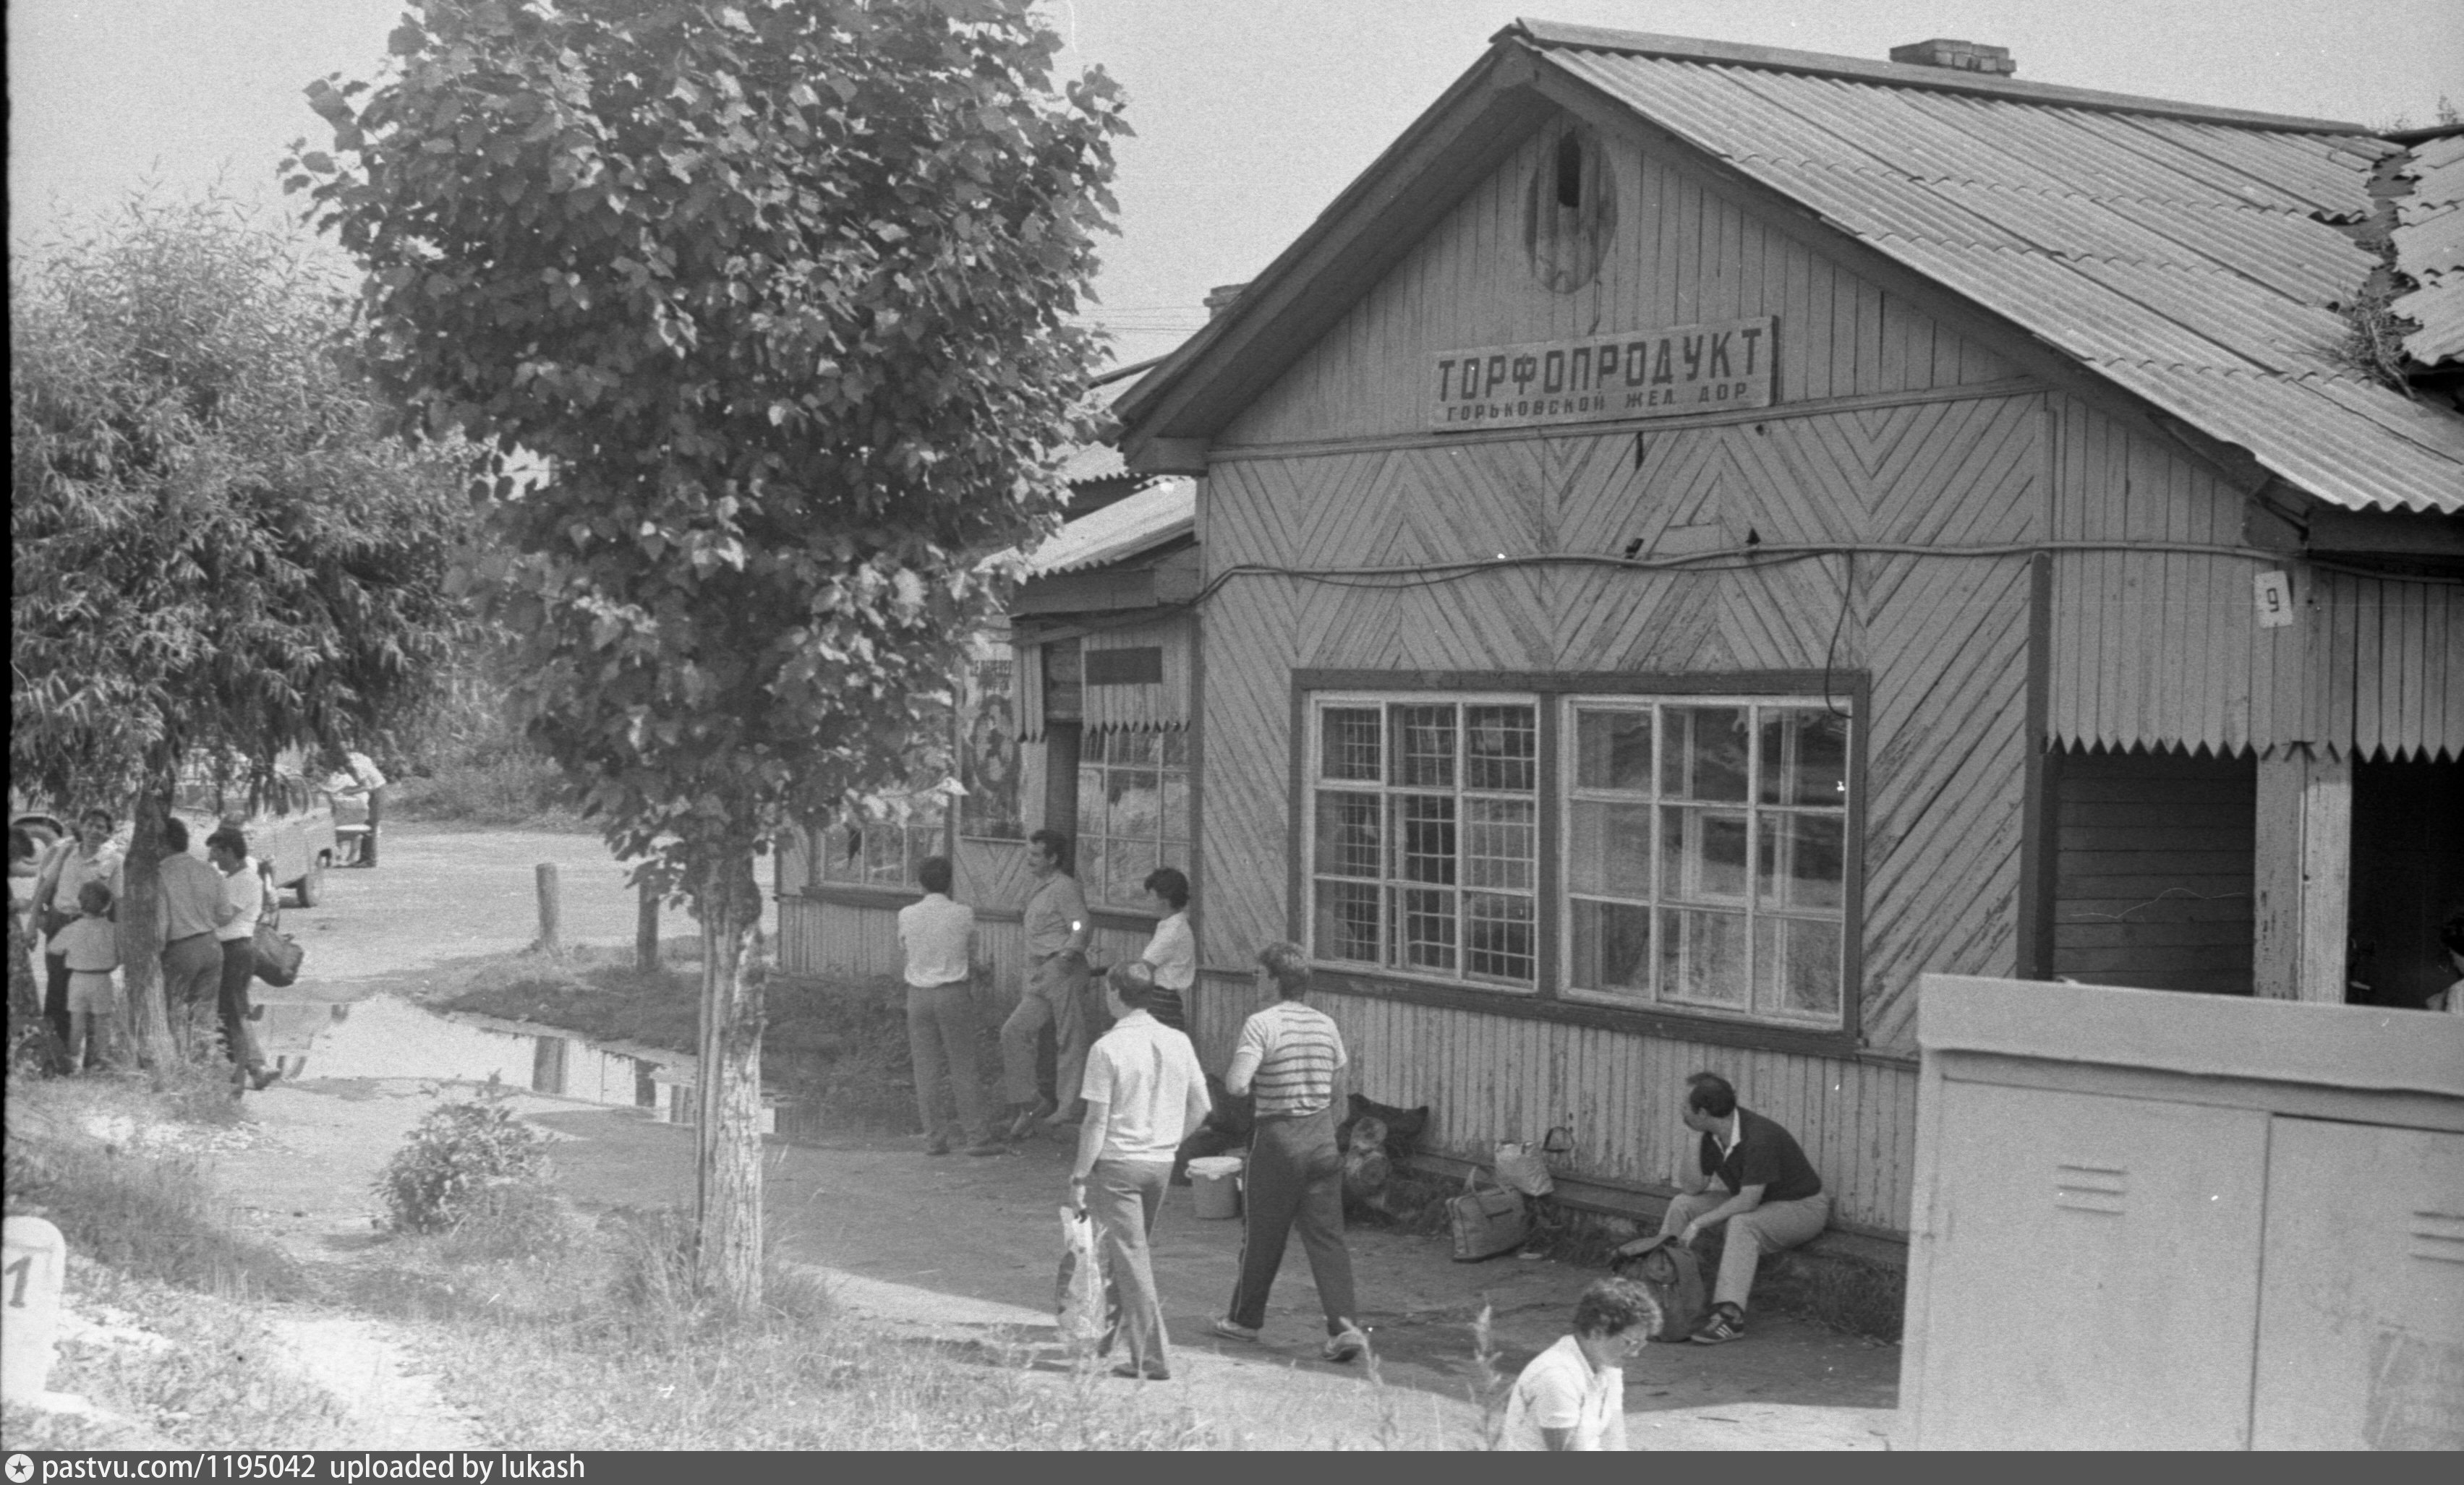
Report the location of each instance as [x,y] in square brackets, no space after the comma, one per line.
[1766,1193]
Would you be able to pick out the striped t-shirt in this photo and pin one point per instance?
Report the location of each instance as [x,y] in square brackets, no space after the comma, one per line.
[1287,1054]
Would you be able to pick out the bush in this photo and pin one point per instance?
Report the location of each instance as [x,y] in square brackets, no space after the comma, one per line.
[464,1161]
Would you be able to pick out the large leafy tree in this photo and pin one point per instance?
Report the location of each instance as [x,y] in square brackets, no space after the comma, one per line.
[781,295]
[217,551]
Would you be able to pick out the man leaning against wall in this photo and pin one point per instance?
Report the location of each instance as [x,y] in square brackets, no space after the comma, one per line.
[1053,992]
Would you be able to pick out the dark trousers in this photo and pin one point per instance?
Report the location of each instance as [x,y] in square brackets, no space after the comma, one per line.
[942,1044]
[239,1037]
[55,994]
[192,973]
[1294,1180]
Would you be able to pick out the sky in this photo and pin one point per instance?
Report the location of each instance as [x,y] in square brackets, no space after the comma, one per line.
[1251,115]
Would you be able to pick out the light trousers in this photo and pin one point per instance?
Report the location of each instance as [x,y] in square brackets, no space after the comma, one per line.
[1769,1227]
[1055,994]
[941,1044]
[1124,1197]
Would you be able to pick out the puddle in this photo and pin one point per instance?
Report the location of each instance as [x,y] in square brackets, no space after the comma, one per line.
[384,1037]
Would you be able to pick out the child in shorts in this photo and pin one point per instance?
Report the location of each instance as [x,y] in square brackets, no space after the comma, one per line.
[90,945]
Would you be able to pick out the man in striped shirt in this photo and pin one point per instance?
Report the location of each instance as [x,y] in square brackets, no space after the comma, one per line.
[1287,1056]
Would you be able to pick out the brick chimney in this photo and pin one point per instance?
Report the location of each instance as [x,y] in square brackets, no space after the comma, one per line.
[1221,298]
[1960,55]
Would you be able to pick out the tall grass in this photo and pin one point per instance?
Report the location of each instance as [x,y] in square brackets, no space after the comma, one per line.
[608,1345]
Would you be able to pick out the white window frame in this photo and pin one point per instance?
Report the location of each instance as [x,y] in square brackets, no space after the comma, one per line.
[1761,1008]
[1171,850]
[1389,883]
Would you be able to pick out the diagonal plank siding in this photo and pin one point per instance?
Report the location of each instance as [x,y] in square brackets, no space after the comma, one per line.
[1944,641]
[2164,649]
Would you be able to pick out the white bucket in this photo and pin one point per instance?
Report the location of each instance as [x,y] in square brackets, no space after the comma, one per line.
[1215,1181]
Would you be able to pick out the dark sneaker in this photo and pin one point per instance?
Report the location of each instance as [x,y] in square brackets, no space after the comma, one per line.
[1233,1329]
[261,1078]
[1728,1322]
[1346,1347]
[1023,1125]
[1134,1374]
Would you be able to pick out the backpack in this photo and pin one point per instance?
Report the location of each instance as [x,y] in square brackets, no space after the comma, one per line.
[1674,1275]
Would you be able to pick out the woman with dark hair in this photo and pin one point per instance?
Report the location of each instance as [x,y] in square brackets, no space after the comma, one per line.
[88,855]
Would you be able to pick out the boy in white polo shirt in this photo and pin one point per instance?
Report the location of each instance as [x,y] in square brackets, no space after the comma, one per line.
[1144,1091]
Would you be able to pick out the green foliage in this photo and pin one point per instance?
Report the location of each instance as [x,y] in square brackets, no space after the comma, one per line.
[213,544]
[463,1162]
[781,295]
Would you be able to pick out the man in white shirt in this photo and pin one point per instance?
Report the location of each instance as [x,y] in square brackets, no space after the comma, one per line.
[1170,956]
[195,902]
[1144,1091]
[939,937]
[1572,1395]
[248,891]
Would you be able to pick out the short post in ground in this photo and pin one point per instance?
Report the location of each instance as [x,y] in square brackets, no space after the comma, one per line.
[548,942]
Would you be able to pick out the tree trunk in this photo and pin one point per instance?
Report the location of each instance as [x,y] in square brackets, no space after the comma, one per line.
[140,937]
[727,1132]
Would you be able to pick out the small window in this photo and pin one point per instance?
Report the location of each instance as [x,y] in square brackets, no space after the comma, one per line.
[1570,211]
[1134,811]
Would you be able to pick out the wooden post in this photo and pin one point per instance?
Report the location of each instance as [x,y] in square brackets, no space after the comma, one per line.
[2301,883]
[547,908]
[376,822]
[645,931]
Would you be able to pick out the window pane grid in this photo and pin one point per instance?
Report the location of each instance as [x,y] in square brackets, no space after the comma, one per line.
[1425,837]
[1133,812]
[1705,847]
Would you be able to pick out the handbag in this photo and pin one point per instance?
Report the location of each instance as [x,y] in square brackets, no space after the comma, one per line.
[278,953]
[1486,1219]
[1674,1275]
[1522,1168]
[1078,1288]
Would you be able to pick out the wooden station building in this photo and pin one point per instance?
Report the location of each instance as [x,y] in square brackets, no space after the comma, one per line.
[1698,536]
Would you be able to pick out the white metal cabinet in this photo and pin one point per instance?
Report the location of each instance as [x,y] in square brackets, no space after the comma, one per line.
[2056,1221]
[2155,1221]
[2361,1329]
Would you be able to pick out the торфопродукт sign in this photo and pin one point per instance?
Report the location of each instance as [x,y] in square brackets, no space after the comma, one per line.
[1661,373]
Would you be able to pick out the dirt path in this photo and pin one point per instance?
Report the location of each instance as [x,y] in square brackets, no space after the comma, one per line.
[956,1249]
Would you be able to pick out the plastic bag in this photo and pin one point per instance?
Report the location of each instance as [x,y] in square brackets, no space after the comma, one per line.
[1521,1167]
[1078,1290]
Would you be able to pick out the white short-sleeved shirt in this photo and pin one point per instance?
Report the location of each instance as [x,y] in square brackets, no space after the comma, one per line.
[1146,1076]
[1560,1390]
[246,889]
[1173,953]
[936,933]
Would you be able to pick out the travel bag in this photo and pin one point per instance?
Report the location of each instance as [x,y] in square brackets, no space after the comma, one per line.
[1674,1275]
[1486,1219]
[278,953]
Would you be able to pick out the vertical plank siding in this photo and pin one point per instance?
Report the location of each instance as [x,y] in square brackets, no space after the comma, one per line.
[1490,1077]
[2153,876]
[1683,255]
[2164,649]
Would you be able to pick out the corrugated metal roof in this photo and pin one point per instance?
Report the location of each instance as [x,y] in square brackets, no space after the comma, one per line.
[2429,249]
[1160,512]
[2186,254]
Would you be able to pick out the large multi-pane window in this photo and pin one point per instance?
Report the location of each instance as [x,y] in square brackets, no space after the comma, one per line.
[1707,854]
[882,853]
[1425,847]
[1702,842]
[1133,811]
